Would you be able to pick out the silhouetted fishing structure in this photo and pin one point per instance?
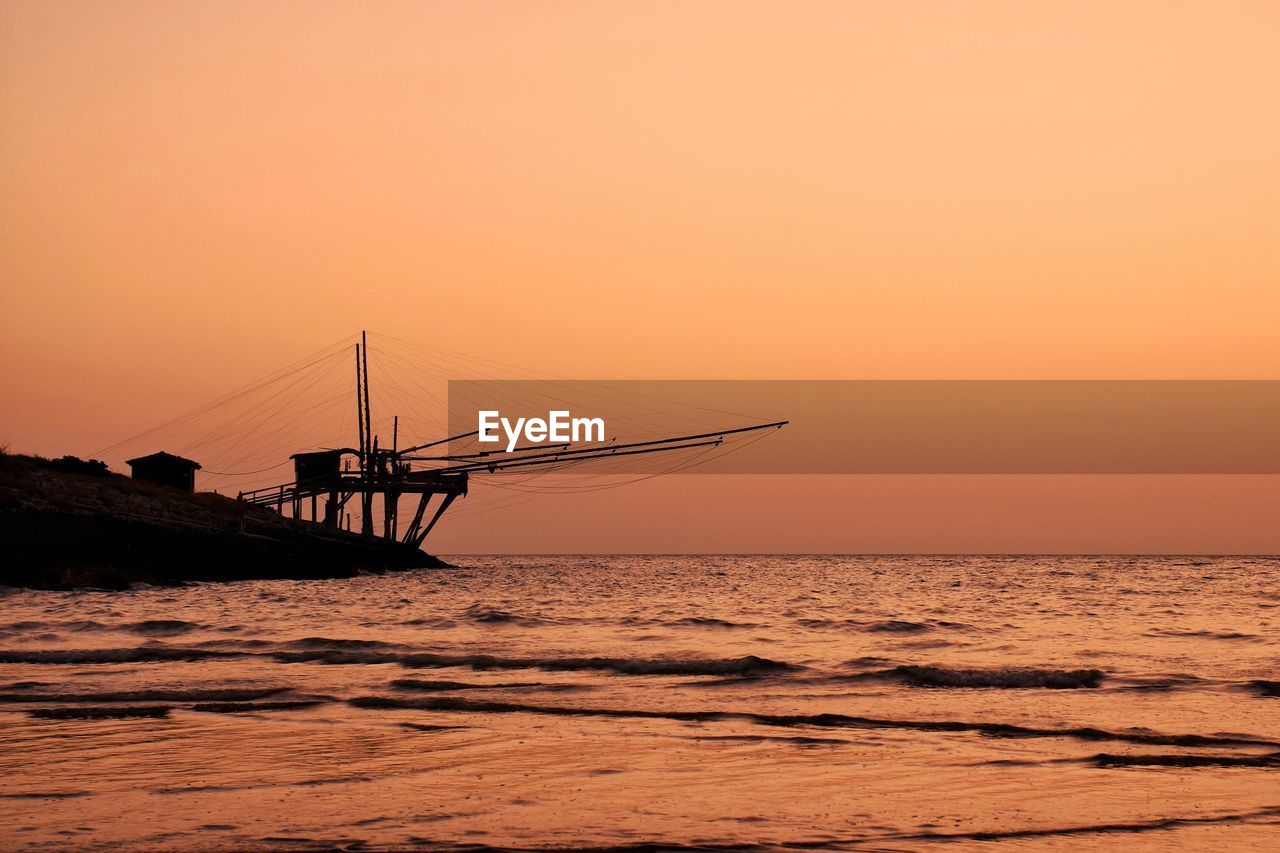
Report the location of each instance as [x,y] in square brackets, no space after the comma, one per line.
[327,480]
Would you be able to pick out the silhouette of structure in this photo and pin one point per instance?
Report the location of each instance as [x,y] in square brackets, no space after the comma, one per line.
[326,481]
[165,469]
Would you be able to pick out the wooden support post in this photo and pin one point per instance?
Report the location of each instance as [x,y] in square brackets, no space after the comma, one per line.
[393,497]
[448,499]
[370,477]
[412,530]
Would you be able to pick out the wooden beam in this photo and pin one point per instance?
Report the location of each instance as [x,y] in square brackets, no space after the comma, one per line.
[448,499]
[412,530]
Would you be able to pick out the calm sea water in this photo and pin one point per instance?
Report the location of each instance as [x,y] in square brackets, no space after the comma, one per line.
[886,703]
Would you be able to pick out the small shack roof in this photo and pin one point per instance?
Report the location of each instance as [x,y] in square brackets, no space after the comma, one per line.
[316,454]
[165,459]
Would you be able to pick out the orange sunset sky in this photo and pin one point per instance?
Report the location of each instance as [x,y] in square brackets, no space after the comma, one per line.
[195,194]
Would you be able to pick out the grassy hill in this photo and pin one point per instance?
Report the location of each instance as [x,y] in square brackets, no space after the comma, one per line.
[68,523]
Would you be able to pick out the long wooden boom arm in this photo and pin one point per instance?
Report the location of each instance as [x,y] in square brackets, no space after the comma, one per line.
[417,447]
[679,442]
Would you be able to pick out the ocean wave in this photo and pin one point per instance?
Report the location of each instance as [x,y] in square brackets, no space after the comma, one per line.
[446,686]
[1156,825]
[868,660]
[35,625]
[243,646]
[895,839]
[144,654]
[748,665]
[829,623]
[836,721]
[1265,688]
[162,627]
[1158,682]
[1202,635]
[1107,760]
[146,628]
[885,626]
[730,681]
[427,727]
[124,712]
[41,795]
[429,622]
[799,740]
[305,783]
[494,616]
[935,643]
[940,676]
[250,707]
[189,695]
[337,643]
[342,652]
[897,626]
[706,622]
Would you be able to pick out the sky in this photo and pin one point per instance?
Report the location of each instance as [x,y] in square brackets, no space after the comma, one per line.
[194,194]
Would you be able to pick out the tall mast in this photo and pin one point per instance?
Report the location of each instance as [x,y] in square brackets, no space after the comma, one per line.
[360,405]
[366,503]
[368,420]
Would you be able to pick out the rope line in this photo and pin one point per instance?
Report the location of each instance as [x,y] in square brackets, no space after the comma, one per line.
[247,434]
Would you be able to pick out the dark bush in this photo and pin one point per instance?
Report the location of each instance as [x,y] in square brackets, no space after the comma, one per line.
[76,465]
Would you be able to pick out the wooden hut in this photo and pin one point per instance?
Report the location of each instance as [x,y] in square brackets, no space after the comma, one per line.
[165,469]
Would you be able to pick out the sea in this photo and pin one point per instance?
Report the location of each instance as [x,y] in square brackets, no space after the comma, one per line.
[654,702]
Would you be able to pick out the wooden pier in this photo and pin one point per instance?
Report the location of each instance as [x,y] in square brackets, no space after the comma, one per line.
[326,481]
